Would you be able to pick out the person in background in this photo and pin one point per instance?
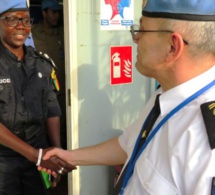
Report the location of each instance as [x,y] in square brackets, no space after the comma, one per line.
[48,38]
[175,155]
[28,102]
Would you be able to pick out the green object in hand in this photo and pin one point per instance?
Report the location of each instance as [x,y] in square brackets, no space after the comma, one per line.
[46,179]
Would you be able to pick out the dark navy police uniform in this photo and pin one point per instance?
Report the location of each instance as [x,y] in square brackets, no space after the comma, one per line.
[27,98]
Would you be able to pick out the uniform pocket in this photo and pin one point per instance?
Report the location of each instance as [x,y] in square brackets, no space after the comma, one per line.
[152,181]
[6,100]
[5,90]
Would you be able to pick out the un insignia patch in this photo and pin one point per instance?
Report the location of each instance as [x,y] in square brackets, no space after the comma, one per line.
[27,3]
[144,3]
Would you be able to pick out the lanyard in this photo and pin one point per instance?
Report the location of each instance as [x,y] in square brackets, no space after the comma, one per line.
[134,157]
[213,187]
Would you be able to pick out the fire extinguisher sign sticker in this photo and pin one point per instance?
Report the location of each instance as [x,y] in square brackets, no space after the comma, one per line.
[120,65]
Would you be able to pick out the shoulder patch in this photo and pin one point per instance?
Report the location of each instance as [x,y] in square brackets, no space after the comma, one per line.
[208,113]
[46,57]
[55,80]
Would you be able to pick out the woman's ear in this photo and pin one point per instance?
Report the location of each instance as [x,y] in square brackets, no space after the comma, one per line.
[176,47]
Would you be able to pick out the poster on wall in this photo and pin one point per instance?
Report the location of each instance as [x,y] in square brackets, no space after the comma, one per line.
[120,65]
[117,14]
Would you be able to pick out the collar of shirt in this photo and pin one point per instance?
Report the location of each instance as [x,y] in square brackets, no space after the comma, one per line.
[171,98]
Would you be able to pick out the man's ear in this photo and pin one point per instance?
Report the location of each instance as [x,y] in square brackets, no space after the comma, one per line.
[176,47]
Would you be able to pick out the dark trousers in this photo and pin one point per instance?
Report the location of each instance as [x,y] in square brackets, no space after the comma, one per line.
[18,176]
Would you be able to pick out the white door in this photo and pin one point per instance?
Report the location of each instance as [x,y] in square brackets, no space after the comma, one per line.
[96,110]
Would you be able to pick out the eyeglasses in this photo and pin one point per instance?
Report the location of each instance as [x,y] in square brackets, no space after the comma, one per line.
[13,21]
[136,33]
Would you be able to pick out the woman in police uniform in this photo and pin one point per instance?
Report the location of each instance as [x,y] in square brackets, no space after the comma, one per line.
[27,102]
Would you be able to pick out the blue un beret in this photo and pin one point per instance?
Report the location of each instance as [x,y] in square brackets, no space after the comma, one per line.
[13,5]
[195,10]
[51,4]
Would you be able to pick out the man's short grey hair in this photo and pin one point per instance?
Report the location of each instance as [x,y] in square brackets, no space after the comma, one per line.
[200,35]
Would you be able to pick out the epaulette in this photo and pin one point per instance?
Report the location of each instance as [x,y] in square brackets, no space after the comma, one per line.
[208,113]
[46,57]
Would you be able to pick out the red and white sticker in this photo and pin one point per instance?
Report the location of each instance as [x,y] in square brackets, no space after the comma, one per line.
[120,65]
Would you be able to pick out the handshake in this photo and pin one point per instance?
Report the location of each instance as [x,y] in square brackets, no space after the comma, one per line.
[50,161]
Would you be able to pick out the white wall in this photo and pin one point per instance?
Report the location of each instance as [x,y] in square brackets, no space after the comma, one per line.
[98,111]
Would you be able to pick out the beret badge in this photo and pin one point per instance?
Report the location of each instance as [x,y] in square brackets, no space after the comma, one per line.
[27,3]
[144,3]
